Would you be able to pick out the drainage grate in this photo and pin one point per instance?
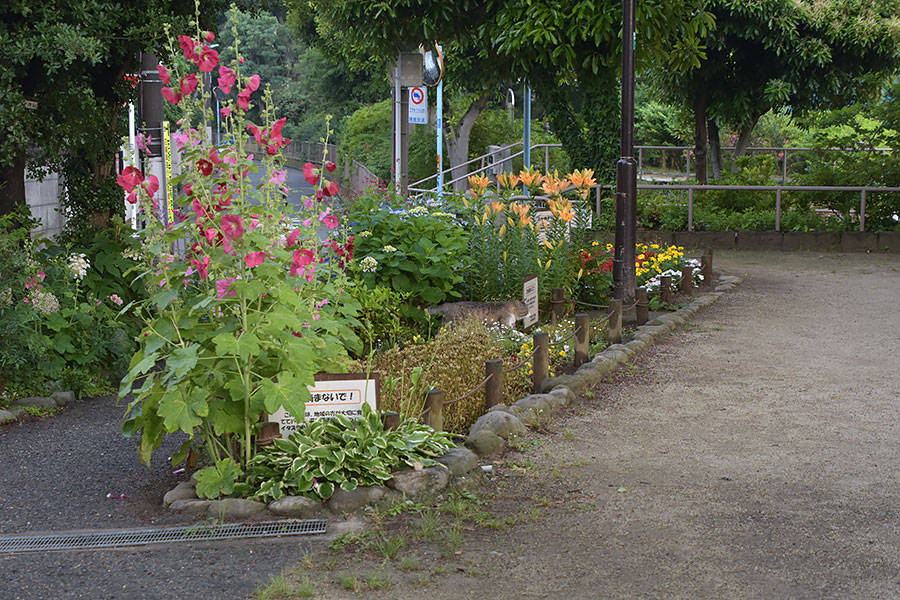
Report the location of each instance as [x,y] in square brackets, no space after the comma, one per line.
[140,537]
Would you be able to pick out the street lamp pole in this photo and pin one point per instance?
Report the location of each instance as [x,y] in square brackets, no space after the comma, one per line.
[626,171]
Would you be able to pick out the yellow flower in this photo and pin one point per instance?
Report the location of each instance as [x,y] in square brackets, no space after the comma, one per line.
[654,246]
[595,243]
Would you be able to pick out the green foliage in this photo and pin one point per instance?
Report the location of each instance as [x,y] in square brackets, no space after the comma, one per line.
[339,453]
[385,317]
[416,251]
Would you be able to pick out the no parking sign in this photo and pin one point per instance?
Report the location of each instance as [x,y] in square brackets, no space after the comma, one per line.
[418,105]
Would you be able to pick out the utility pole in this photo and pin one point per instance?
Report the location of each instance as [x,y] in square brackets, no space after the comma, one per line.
[626,171]
[151,115]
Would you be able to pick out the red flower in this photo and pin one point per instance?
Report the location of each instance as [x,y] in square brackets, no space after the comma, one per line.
[171,96]
[330,221]
[187,84]
[150,185]
[253,83]
[319,195]
[292,238]
[232,226]
[188,46]
[310,173]
[243,99]
[163,74]
[201,266]
[606,266]
[254,259]
[130,178]
[301,258]
[207,60]
[205,167]
[331,189]
[208,36]
[330,166]
[227,79]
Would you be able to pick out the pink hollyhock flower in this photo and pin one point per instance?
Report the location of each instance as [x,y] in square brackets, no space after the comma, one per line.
[254,259]
[198,208]
[130,178]
[307,222]
[171,96]
[301,258]
[207,60]
[310,174]
[308,203]
[232,226]
[143,141]
[163,74]
[225,112]
[330,189]
[330,166]
[223,287]
[189,47]
[292,238]
[319,195]
[243,99]
[277,177]
[187,84]
[188,189]
[330,221]
[150,185]
[227,79]
[257,134]
[210,235]
[214,157]
[181,138]
[253,83]
[208,36]
[201,266]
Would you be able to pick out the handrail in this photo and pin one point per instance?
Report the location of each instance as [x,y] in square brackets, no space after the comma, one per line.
[468,162]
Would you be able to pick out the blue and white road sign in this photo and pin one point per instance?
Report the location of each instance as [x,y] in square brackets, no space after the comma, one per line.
[418,105]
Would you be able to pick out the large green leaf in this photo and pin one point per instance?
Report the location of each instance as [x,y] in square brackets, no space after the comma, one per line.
[287,391]
[182,360]
[183,410]
[217,480]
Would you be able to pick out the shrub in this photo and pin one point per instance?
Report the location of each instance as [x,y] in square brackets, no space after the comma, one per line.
[454,363]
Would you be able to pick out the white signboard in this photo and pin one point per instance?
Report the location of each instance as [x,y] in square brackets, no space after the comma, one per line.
[530,297]
[418,105]
[332,395]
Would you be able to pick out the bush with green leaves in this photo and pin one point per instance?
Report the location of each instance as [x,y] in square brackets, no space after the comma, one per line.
[328,454]
[415,251]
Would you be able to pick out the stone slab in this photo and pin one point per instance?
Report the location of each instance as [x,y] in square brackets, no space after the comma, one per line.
[859,241]
[889,241]
[717,240]
[459,460]
[758,240]
[810,240]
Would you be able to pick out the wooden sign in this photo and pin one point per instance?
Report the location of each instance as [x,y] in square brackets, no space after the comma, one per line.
[530,297]
[334,394]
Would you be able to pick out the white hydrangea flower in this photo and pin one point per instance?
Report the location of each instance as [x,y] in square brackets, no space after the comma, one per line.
[78,264]
[45,302]
[368,264]
[389,248]
[364,234]
[418,210]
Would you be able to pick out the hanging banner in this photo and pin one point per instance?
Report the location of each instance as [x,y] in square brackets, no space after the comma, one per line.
[167,141]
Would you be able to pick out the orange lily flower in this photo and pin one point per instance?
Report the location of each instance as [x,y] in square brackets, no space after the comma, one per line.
[530,179]
[507,180]
[478,184]
[583,180]
[553,185]
[497,207]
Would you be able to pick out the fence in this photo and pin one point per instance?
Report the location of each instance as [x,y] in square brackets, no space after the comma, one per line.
[492,384]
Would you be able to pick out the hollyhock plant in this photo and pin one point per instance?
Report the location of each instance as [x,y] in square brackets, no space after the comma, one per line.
[223,312]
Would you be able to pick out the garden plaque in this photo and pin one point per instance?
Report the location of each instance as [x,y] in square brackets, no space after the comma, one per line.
[530,297]
[334,394]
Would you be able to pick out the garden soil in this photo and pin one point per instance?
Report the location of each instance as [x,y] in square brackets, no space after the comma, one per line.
[751,455]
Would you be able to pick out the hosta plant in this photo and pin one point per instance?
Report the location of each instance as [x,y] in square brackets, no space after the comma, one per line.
[338,453]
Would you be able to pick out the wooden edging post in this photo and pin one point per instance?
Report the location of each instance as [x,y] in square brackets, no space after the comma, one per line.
[434,407]
[706,267]
[582,338]
[541,360]
[687,279]
[493,389]
[557,305]
[665,289]
[615,322]
[642,306]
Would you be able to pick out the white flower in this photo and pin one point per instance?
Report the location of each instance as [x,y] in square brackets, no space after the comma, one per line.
[45,302]
[418,210]
[389,248]
[364,234]
[368,264]
[78,264]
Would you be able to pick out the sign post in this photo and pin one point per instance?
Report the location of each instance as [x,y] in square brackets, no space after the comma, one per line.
[530,298]
[418,105]
[167,142]
[332,395]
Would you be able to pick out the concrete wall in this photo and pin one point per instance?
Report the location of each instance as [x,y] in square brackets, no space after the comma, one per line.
[43,199]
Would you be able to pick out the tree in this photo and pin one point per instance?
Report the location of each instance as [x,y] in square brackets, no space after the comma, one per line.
[70,58]
[568,49]
[767,54]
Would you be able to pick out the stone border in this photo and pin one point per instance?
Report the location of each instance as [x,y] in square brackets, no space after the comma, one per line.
[16,410]
[488,436]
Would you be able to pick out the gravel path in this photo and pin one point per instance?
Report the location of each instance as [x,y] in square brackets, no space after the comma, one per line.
[757,452]
[55,474]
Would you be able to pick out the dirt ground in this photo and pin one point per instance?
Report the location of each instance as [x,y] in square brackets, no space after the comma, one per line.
[752,455]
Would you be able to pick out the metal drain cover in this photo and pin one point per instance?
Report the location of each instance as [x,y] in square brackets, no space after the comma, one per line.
[141,537]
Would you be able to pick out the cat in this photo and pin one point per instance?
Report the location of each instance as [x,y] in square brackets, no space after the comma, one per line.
[505,313]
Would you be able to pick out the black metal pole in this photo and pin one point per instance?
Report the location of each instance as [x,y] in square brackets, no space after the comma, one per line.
[626,171]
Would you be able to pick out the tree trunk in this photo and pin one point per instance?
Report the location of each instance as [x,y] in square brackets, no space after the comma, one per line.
[457,139]
[12,184]
[700,137]
[715,147]
[743,141]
